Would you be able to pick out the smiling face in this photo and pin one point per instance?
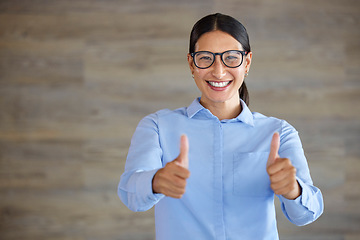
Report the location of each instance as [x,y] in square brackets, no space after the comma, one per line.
[219,83]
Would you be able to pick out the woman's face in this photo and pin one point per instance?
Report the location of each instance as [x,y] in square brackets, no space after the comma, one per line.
[219,83]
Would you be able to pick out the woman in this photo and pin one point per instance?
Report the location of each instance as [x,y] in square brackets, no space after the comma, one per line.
[220,183]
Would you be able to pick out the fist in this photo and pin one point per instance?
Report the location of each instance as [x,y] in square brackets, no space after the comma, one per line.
[281,172]
[171,180]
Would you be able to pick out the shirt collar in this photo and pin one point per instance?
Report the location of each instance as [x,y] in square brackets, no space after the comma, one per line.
[246,115]
[195,108]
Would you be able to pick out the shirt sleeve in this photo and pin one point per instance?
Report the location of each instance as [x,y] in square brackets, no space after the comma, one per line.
[309,205]
[143,161]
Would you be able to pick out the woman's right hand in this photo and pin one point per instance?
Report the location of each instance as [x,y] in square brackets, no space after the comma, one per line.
[171,179]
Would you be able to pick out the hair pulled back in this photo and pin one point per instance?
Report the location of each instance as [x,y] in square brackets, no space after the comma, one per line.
[225,24]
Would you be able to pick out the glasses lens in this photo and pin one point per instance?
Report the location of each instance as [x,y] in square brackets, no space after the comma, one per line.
[204,59]
[232,58]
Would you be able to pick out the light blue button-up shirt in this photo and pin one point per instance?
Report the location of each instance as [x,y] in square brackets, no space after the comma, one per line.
[228,194]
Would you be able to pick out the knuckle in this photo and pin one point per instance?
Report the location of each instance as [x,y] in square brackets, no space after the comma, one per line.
[182,191]
[161,172]
[179,182]
[178,195]
[277,192]
[174,196]
[272,180]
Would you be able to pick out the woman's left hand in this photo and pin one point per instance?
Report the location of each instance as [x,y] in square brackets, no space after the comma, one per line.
[281,172]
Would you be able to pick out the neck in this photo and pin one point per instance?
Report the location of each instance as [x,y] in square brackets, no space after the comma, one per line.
[223,110]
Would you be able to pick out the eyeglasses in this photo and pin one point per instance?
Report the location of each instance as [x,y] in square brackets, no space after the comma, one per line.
[231,58]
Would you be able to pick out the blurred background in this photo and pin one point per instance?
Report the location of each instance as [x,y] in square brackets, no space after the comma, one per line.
[76,77]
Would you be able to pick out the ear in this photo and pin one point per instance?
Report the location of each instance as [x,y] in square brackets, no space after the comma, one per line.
[248,61]
[191,63]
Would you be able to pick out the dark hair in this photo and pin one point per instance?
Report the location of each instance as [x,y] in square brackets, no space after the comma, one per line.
[225,24]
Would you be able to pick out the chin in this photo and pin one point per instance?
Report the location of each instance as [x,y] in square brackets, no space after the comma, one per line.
[220,99]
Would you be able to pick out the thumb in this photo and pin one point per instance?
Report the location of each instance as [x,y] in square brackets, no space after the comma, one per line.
[183,158]
[274,149]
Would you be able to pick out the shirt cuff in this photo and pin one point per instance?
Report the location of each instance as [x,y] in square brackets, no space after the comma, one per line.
[144,186]
[297,206]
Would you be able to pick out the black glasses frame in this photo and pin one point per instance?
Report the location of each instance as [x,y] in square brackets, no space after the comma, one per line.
[243,53]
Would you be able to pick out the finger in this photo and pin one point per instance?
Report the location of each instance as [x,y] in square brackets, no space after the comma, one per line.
[174,168]
[274,148]
[281,164]
[177,169]
[183,173]
[284,189]
[164,180]
[283,183]
[170,190]
[175,193]
[179,183]
[283,174]
[174,187]
[183,158]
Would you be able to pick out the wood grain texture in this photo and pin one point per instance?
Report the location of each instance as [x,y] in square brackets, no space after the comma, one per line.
[77,76]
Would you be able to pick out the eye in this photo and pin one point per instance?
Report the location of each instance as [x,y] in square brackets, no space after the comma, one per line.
[205,58]
[232,57]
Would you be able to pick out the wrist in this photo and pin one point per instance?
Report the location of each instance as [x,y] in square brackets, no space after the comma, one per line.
[153,183]
[295,193]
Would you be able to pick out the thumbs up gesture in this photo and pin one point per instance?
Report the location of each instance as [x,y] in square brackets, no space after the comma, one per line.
[171,179]
[281,172]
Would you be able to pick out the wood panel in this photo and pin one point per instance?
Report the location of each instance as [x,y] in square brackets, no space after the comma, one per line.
[77,76]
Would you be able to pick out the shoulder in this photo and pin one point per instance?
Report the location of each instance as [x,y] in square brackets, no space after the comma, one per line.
[263,119]
[278,124]
[154,118]
[168,112]
[289,136]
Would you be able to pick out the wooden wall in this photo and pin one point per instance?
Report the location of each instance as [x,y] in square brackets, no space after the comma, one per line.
[77,76]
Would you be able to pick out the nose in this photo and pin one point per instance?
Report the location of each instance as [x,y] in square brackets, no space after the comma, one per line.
[218,68]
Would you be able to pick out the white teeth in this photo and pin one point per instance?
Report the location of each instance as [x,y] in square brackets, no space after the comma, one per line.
[219,84]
